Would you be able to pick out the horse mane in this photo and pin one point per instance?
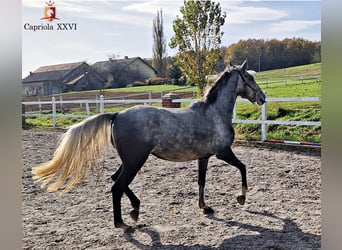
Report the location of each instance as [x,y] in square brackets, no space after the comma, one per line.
[211,94]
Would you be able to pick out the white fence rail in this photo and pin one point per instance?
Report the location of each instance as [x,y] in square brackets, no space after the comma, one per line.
[101,102]
[264,122]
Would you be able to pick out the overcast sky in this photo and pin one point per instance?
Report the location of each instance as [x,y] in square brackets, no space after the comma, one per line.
[124,28]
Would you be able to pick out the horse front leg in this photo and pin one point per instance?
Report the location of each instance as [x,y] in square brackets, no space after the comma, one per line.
[202,170]
[228,156]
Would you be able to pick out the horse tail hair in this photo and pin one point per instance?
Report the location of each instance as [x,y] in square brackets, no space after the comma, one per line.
[77,151]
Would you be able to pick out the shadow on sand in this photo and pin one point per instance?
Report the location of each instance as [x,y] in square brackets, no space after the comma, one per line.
[289,237]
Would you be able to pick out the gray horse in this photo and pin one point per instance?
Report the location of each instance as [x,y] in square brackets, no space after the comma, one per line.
[197,132]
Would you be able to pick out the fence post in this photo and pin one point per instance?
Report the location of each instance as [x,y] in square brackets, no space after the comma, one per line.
[61,103]
[54,118]
[23,117]
[101,104]
[40,106]
[149,97]
[234,111]
[97,103]
[167,101]
[264,118]
[87,108]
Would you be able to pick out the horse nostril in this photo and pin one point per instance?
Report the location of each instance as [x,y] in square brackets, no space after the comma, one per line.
[261,100]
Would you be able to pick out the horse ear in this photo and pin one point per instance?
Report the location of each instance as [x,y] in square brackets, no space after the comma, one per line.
[228,67]
[244,65]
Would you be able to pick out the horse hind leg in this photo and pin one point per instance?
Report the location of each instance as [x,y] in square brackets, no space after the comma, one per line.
[131,166]
[202,169]
[228,156]
[135,202]
[120,187]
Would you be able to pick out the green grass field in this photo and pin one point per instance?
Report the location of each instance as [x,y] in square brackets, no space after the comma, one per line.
[300,81]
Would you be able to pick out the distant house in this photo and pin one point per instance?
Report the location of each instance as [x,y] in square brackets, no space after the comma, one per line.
[55,79]
[123,72]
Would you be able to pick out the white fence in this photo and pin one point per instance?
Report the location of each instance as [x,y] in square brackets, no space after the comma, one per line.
[101,102]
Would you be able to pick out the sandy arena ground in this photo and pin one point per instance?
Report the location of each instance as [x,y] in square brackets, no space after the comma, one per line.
[282,210]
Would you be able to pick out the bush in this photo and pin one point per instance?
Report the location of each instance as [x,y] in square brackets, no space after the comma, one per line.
[159,81]
[138,84]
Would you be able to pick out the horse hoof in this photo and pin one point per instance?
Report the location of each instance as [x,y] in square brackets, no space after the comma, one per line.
[241,199]
[124,227]
[134,215]
[128,229]
[207,210]
[140,226]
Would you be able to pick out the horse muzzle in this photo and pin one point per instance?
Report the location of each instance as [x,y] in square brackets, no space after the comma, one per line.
[260,98]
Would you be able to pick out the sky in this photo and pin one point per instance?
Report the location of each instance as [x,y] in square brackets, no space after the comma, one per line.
[102,28]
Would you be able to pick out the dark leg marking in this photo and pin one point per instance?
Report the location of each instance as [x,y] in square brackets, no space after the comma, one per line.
[131,164]
[202,169]
[135,202]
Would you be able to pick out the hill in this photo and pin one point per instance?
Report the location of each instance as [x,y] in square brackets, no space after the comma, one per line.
[296,81]
[299,81]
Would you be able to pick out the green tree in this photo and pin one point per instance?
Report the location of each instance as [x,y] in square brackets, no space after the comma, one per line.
[175,73]
[250,49]
[198,38]
[159,45]
[274,54]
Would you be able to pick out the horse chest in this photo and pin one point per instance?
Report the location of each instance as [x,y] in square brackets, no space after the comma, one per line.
[223,136]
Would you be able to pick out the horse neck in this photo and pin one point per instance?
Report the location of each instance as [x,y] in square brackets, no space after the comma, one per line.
[225,101]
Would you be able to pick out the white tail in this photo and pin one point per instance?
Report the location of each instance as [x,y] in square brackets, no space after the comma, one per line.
[77,152]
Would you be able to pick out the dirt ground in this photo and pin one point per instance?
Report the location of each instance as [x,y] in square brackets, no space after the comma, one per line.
[282,210]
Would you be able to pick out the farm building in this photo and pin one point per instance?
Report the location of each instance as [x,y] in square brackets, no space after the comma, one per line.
[55,79]
[123,72]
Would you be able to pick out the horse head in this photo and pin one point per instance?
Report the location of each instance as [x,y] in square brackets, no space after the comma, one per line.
[247,87]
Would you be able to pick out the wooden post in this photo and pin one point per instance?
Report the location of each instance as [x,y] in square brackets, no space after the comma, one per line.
[168,103]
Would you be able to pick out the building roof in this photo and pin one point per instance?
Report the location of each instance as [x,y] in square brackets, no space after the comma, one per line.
[105,66]
[51,72]
[58,67]
[59,71]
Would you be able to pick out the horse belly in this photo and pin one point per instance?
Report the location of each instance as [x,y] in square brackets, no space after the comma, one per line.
[180,153]
[171,156]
